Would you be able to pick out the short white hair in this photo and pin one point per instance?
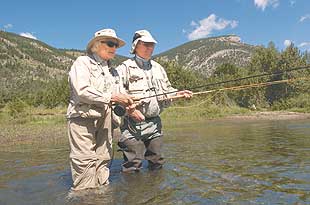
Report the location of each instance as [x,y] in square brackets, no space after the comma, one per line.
[94,48]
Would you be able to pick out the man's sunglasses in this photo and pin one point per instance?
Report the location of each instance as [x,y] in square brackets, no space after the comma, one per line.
[111,44]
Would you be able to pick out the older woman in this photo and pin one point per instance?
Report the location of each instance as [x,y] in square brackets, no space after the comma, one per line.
[93,87]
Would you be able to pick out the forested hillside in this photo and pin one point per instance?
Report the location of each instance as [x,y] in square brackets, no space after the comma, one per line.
[34,74]
[34,71]
[288,95]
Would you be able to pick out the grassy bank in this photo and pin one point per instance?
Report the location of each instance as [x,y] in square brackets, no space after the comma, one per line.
[37,128]
[46,128]
[196,111]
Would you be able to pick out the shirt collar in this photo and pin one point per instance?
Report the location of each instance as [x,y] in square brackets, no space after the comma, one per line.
[142,63]
[98,60]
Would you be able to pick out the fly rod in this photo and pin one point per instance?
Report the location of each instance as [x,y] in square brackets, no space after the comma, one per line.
[233,80]
[120,110]
[241,87]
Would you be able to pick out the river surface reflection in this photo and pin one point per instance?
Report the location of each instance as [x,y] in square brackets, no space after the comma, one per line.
[207,162]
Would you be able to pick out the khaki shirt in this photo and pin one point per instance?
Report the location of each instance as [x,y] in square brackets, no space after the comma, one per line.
[144,82]
[92,83]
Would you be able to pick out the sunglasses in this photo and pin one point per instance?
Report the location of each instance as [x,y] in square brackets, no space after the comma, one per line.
[111,44]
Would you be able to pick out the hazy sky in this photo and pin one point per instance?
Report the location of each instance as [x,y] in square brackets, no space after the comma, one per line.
[72,23]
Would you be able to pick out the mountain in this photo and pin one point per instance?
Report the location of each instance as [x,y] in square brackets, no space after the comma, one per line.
[204,55]
[26,65]
[23,57]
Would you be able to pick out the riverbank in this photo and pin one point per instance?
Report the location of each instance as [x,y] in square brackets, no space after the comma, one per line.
[45,127]
[270,115]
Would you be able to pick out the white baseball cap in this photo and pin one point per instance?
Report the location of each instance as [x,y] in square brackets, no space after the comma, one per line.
[141,35]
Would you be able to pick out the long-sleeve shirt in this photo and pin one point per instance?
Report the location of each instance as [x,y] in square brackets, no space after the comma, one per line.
[91,87]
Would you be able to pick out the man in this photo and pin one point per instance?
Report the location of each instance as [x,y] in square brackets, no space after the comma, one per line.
[144,78]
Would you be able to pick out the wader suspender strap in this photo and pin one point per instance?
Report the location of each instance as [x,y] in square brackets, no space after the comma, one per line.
[126,85]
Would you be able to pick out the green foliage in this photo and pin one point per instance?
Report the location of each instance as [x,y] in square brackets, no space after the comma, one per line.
[56,94]
[17,108]
[264,59]
[227,69]
[289,58]
[200,108]
[243,98]
[50,94]
[298,103]
[181,78]
[267,60]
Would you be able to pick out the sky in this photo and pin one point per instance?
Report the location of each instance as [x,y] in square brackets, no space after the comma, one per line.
[71,24]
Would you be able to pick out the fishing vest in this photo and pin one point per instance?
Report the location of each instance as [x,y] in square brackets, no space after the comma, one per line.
[141,83]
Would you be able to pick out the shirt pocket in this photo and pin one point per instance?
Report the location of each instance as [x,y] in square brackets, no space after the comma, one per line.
[162,85]
[137,82]
[164,88]
[98,80]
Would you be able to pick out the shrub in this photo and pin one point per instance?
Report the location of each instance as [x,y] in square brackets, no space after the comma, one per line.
[17,108]
[298,103]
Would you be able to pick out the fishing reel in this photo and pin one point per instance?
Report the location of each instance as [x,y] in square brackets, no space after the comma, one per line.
[119,110]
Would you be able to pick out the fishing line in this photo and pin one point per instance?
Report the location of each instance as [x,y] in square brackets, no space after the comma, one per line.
[241,87]
[197,105]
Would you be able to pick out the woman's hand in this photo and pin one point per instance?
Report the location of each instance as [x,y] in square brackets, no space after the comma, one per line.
[185,93]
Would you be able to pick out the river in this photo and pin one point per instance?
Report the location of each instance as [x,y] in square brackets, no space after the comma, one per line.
[207,162]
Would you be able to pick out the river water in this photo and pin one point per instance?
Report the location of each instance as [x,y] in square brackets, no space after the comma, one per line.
[207,162]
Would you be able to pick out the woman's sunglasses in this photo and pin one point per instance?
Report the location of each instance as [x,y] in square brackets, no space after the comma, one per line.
[111,44]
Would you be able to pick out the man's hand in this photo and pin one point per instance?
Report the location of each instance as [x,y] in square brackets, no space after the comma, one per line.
[135,114]
[185,93]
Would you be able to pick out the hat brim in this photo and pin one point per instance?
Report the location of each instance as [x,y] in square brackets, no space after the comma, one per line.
[147,39]
[144,39]
[98,38]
